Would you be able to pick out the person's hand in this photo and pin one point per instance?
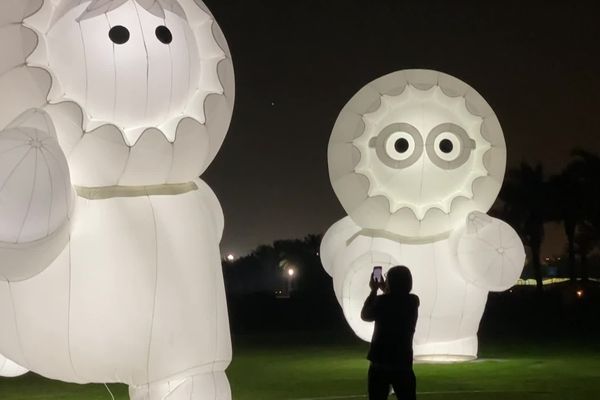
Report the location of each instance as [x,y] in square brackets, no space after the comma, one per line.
[373,284]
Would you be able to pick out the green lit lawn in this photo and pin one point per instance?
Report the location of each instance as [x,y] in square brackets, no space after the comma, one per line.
[300,372]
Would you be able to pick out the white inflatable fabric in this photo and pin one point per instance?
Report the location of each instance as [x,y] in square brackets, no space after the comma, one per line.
[109,243]
[417,158]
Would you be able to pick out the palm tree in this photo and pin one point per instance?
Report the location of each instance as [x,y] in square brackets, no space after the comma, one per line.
[525,194]
[587,165]
[576,191]
[586,240]
[566,205]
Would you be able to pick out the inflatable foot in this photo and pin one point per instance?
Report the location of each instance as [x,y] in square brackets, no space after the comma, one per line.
[9,369]
[209,386]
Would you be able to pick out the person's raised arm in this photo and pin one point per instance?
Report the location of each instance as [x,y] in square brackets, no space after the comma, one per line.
[369,310]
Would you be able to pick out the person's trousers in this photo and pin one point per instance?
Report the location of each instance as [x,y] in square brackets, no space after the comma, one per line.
[381,378]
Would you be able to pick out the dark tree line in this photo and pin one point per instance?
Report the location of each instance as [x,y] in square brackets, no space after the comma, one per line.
[258,296]
[265,269]
[570,198]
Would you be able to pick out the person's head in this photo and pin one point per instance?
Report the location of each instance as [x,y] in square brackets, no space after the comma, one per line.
[399,280]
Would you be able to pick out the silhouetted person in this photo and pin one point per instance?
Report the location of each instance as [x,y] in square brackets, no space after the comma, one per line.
[391,354]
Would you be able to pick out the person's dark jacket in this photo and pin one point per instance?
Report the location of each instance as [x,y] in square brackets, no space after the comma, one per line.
[395,318]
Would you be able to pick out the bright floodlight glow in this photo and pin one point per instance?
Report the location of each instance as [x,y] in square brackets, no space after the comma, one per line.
[291,272]
[443,358]
[580,293]
[230,257]
[417,158]
[110,267]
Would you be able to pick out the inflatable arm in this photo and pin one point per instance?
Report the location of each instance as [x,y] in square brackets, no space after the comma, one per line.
[35,187]
[336,240]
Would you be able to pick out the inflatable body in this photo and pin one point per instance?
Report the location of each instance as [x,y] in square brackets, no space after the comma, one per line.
[109,242]
[417,158]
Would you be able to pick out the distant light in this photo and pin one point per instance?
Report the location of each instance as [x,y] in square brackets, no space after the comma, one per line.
[291,272]
[230,257]
[580,293]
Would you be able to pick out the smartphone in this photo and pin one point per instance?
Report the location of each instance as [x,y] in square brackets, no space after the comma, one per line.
[378,274]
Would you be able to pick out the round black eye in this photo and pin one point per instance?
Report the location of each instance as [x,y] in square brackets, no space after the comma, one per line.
[401,145]
[119,34]
[164,34]
[446,146]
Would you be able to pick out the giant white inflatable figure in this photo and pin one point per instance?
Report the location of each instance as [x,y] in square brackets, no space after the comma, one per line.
[109,242]
[417,158]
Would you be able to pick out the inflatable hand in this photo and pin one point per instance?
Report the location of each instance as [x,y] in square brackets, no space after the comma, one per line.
[490,253]
[35,196]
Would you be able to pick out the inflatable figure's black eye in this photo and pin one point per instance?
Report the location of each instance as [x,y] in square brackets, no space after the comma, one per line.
[164,34]
[446,146]
[401,145]
[119,34]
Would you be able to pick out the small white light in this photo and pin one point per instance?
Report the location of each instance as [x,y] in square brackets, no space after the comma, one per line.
[291,272]
[230,257]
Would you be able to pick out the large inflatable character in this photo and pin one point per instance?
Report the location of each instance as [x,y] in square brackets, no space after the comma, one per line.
[109,242]
[417,158]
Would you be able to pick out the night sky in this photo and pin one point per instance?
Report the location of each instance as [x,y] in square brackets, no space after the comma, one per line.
[298,62]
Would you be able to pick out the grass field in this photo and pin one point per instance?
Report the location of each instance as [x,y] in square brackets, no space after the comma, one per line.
[337,371]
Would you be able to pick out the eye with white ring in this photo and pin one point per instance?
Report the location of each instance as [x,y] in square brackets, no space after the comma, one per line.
[398,145]
[449,146]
